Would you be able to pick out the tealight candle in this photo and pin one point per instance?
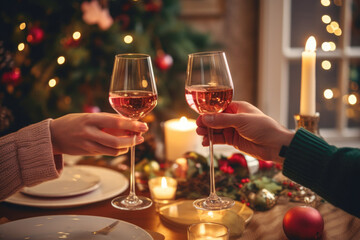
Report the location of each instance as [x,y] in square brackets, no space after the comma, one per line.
[162,189]
[180,137]
[207,231]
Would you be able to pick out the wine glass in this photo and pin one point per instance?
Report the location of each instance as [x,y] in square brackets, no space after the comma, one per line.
[132,94]
[209,89]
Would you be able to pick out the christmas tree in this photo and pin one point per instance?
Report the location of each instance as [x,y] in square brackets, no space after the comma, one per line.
[56,57]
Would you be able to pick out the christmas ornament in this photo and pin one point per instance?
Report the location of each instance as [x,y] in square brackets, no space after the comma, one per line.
[238,158]
[12,78]
[93,13]
[163,61]
[303,222]
[91,109]
[36,35]
[264,200]
[265,164]
[153,6]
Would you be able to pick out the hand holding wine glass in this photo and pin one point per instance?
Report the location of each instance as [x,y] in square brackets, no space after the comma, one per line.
[209,89]
[133,95]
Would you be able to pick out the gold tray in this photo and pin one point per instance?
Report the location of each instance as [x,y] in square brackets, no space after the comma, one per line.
[183,213]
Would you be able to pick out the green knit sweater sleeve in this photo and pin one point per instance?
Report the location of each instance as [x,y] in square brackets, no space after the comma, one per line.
[333,173]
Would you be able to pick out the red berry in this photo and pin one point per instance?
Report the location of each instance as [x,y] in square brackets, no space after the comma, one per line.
[289,194]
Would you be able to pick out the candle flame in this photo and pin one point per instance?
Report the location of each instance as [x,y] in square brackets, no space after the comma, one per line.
[310,44]
[183,120]
[211,214]
[163,182]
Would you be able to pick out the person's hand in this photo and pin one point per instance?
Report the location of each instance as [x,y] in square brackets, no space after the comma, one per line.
[245,127]
[95,134]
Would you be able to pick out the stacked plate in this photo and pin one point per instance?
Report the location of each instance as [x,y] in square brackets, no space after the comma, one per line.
[77,185]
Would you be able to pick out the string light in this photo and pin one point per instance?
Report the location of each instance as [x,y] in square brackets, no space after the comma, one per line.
[61,60]
[328,94]
[326,65]
[144,83]
[76,35]
[21,47]
[352,99]
[325,46]
[326,19]
[22,26]
[52,82]
[332,46]
[128,39]
[329,29]
[338,32]
[325,3]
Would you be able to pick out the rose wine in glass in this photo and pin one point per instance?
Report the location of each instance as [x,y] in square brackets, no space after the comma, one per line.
[133,95]
[209,89]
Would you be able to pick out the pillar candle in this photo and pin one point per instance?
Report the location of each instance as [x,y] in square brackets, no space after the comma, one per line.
[180,137]
[308,80]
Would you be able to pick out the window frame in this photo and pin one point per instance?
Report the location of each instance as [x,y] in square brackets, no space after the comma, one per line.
[274,43]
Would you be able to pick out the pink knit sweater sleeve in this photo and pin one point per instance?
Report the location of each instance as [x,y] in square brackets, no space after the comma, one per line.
[26,158]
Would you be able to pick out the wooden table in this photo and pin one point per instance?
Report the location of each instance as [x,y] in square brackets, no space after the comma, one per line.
[147,219]
[263,225]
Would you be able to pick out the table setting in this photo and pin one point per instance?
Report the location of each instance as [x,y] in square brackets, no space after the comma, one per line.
[197,193]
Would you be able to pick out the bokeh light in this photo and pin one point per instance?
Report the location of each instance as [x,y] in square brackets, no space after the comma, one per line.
[326,64]
[61,60]
[22,26]
[21,47]
[76,35]
[128,39]
[328,94]
[352,99]
[52,82]
[326,19]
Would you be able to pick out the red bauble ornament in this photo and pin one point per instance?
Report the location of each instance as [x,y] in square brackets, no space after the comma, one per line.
[238,158]
[12,78]
[163,61]
[91,109]
[153,6]
[303,223]
[265,164]
[36,35]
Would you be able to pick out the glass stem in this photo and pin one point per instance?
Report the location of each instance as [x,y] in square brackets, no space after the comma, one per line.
[212,172]
[132,196]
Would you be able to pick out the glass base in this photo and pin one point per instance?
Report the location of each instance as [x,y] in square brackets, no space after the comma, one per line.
[210,204]
[134,203]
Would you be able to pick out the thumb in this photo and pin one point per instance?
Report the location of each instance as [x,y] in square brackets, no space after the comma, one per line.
[224,120]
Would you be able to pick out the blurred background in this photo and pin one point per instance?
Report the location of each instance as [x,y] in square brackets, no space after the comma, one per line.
[56,57]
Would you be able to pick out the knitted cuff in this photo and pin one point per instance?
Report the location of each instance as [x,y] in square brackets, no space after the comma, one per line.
[35,154]
[306,159]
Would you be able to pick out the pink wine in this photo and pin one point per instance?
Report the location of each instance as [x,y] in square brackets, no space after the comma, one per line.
[133,104]
[207,99]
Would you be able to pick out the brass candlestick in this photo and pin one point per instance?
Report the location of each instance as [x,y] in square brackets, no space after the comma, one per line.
[310,123]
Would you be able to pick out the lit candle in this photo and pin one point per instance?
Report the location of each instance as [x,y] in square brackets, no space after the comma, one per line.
[207,231]
[180,137]
[162,188]
[308,80]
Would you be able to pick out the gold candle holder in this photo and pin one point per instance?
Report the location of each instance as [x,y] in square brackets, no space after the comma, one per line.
[310,123]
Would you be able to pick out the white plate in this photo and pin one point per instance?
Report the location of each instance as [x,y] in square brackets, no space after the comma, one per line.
[72,181]
[112,183]
[79,227]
